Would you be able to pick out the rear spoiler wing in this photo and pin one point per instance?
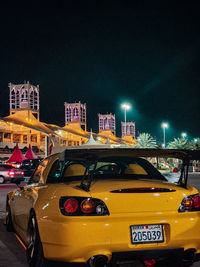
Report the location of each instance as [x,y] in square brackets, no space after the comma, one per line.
[88,153]
[190,155]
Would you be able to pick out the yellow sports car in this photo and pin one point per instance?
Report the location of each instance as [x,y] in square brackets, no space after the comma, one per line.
[107,207]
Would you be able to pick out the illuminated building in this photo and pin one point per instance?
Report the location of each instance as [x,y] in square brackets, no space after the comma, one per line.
[130,130]
[24,97]
[23,125]
[75,113]
[107,123]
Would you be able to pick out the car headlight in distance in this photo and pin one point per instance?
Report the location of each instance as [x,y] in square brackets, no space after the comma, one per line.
[82,206]
[190,203]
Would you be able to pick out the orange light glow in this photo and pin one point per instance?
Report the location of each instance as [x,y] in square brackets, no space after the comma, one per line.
[20,241]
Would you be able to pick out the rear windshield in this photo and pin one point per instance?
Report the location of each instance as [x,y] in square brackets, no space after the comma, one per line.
[105,168]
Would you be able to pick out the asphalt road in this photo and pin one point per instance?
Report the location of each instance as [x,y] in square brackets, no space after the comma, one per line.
[13,254]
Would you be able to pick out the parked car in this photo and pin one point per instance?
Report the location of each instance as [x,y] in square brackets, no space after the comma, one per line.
[28,166]
[107,207]
[10,174]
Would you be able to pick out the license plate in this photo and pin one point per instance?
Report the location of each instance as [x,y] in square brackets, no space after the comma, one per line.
[148,233]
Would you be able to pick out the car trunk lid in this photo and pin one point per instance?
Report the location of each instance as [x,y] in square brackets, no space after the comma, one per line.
[138,196]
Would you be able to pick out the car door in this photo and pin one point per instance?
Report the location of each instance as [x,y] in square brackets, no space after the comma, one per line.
[25,198]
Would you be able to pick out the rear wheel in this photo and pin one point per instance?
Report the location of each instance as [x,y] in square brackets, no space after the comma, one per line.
[35,255]
[2,179]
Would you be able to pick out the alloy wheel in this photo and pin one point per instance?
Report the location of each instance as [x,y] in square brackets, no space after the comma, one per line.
[32,237]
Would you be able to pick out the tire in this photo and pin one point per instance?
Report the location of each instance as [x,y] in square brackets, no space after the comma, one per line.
[34,252]
[9,224]
[2,180]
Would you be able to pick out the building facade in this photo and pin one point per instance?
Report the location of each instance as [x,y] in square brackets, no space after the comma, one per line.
[75,113]
[107,123]
[23,125]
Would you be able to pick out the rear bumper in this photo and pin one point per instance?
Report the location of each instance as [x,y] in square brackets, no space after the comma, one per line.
[78,239]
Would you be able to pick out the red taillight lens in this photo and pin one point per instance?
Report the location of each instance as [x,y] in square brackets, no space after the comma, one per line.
[87,206]
[22,173]
[71,205]
[190,203]
[150,263]
[11,173]
[196,201]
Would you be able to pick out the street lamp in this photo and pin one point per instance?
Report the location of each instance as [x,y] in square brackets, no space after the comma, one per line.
[183,135]
[125,107]
[164,125]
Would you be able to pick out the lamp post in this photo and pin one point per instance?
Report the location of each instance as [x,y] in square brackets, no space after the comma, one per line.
[164,125]
[125,107]
[183,135]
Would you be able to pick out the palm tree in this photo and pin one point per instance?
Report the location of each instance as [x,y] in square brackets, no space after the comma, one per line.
[180,143]
[196,144]
[145,140]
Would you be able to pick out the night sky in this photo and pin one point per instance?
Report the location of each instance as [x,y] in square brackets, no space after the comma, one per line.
[102,55]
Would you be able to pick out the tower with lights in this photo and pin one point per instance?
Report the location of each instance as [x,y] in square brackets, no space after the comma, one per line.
[107,123]
[130,129]
[24,97]
[75,113]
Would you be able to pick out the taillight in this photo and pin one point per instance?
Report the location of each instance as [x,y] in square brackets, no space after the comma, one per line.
[11,173]
[190,203]
[149,263]
[87,206]
[71,205]
[82,206]
[22,173]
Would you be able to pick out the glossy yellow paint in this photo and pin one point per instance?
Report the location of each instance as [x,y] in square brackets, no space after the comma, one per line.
[77,238]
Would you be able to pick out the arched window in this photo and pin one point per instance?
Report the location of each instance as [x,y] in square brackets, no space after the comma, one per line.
[23,96]
[101,123]
[131,129]
[83,114]
[81,110]
[75,112]
[13,98]
[35,100]
[31,100]
[106,124]
[68,114]
[17,99]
